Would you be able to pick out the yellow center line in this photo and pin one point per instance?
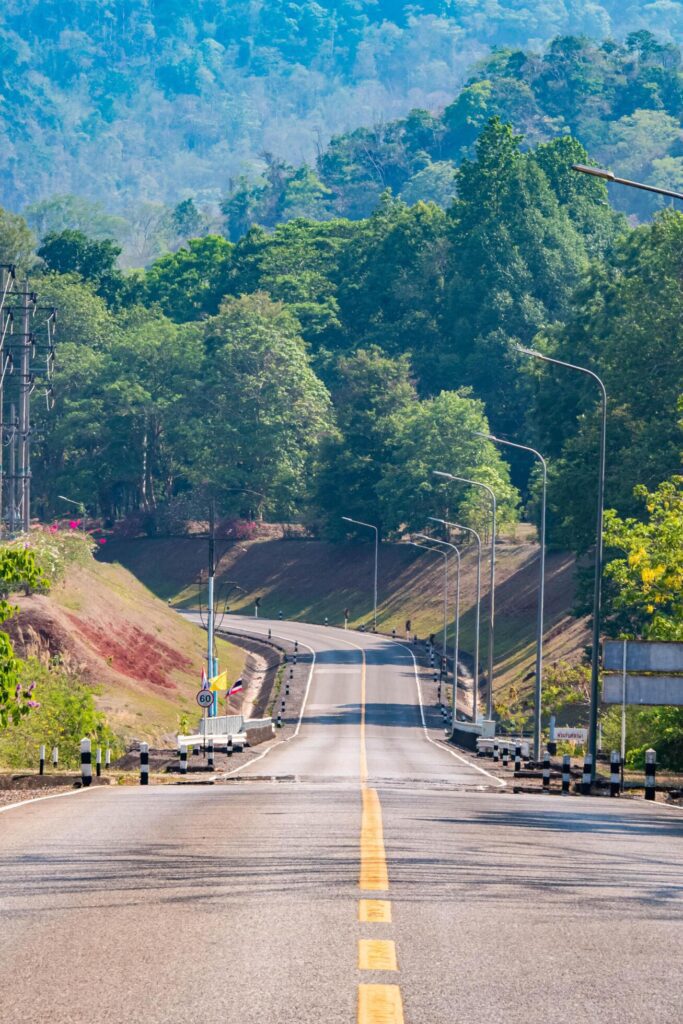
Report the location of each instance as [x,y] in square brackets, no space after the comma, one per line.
[374,911]
[377,955]
[379,1004]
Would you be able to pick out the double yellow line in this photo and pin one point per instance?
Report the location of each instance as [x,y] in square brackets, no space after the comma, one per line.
[377,1004]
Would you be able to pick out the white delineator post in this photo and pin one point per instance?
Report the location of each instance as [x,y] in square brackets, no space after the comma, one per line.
[614,773]
[587,781]
[546,770]
[183,759]
[650,773]
[86,762]
[41,759]
[566,773]
[55,756]
[144,764]
[98,762]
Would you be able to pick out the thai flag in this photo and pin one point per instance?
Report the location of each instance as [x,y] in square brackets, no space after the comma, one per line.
[235,688]
[205,680]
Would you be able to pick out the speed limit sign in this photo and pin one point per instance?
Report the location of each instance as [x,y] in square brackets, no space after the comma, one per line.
[205,698]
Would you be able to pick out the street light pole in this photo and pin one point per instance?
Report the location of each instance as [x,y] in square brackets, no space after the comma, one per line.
[370,526]
[599,172]
[597,585]
[538,687]
[475,674]
[456,638]
[492,594]
[444,555]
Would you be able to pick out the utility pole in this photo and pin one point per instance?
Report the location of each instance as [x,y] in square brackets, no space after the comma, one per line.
[211,671]
[27,307]
[12,478]
[7,278]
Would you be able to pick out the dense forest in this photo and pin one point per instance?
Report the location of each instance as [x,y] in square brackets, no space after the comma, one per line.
[135,106]
[334,364]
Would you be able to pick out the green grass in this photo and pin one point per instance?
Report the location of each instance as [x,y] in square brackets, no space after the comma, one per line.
[312,580]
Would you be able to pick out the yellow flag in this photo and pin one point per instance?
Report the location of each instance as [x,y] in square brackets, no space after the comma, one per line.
[219,682]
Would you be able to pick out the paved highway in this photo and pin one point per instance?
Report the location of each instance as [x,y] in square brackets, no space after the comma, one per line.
[358,872]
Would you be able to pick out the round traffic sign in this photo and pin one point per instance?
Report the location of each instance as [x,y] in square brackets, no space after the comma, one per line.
[205,698]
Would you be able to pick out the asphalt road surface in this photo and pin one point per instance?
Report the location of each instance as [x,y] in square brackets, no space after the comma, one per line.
[360,871]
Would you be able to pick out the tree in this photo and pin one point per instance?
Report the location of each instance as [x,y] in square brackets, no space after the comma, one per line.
[189,284]
[74,213]
[17,568]
[369,390]
[96,261]
[647,581]
[645,599]
[17,242]
[264,411]
[626,324]
[437,433]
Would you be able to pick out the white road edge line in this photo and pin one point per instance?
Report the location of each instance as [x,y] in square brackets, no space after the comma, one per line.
[290,640]
[50,796]
[499,782]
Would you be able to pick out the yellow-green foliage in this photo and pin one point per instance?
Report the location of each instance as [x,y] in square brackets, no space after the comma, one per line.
[66,715]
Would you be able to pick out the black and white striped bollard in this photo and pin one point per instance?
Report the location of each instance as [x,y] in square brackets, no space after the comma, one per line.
[183,759]
[41,759]
[326,620]
[495,753]
[518,758]
[296,646]
[107,758]
[506,757]
[614,773]
[195,750]
[291,672]
[393,633]
[566,773]
[209,764]
[287,690]
[650,773]
[86,763]
[546,770]
[270,635]
[55,757]
[587,780]
[229,747]
[144,764]
[98,762]
[279,720]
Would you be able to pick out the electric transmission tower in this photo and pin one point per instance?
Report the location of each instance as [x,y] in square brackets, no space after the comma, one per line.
[27,360]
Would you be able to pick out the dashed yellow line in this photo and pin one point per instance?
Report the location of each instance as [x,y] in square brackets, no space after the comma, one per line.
[380,1004]
[377,955]
[377,1004]
[374,911]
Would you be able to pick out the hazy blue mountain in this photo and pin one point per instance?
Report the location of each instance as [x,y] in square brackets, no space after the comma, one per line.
[152,101]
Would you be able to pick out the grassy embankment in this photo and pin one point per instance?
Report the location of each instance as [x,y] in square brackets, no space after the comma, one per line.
[112,631]
[309,580]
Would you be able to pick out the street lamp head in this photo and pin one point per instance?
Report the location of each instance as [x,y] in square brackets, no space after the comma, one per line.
[487,437]
[433,519]
[595,172]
